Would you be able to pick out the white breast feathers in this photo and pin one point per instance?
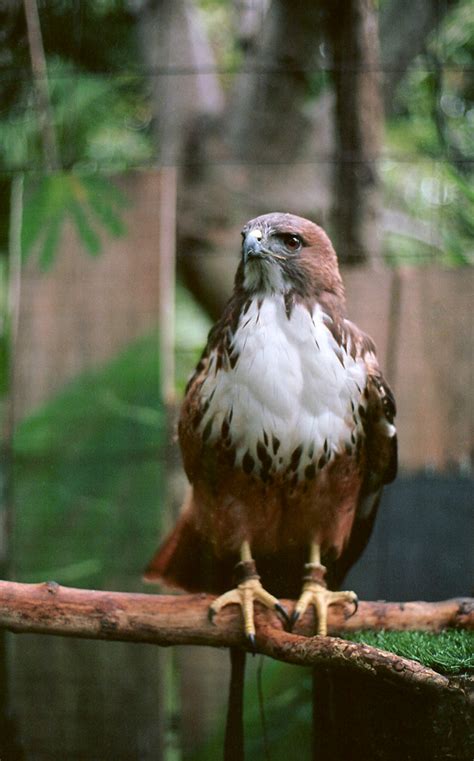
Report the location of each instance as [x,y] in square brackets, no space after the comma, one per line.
[286,389]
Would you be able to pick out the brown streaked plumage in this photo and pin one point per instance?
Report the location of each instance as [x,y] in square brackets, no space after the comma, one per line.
[286,429]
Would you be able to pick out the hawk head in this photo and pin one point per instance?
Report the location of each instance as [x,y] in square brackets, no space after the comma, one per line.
[283,253]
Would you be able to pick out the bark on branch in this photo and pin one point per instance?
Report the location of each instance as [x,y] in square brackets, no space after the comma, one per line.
[183,620]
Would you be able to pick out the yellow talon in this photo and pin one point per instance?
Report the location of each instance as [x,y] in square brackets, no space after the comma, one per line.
[321,598]
[245,594]
[317,594]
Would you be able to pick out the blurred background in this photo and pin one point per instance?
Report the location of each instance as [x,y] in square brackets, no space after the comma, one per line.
[136,139]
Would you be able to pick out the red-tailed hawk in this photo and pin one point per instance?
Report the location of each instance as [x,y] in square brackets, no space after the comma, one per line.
[286,432]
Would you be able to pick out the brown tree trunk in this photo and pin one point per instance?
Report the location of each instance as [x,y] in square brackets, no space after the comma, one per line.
[353,36]
[182,81]
[265,121]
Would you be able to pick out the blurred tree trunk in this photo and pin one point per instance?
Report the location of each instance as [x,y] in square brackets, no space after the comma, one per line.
[265,120]
[186,98]
[352,33]
[179,59]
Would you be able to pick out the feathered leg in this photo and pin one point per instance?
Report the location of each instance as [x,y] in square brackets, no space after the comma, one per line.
[247,591]
[316,593]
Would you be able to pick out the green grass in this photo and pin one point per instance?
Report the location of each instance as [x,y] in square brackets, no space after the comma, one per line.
[450,652]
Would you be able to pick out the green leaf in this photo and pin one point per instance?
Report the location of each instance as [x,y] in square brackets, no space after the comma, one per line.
[99,185]
[56,198]
[107,215]
[86,232]
[35,212]
[51,242]
[45,207]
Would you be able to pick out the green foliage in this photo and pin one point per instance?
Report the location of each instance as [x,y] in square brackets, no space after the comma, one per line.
[88,202]
[433,129]
[97,119]
[94,35]
[87,477]
[218,17]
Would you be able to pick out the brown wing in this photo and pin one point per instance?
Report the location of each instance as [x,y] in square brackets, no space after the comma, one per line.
[187,558]
[381,452]
[193,409]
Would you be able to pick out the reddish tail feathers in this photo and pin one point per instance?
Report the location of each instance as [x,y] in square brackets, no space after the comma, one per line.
[186,560]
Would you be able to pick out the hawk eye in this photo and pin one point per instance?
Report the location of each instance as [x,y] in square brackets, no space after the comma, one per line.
[291,241]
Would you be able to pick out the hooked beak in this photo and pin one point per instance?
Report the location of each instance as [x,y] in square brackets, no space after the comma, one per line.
[252,245]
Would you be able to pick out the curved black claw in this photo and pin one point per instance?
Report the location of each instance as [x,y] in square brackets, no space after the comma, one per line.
[294,617]
[356,606]
[253,643]
[210,615]
[283,612]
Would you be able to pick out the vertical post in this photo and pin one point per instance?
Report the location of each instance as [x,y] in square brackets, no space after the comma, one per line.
[40,75]
[171,750]
[8,743]
[167,284]
[11,332]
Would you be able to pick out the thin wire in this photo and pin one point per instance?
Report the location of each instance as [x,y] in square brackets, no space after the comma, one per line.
[93,167]
[213,69]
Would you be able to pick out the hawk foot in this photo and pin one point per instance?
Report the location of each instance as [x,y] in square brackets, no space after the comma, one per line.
[316,593]
[245,594]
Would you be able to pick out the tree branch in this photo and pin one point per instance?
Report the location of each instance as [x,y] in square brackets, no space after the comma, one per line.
[183,620]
